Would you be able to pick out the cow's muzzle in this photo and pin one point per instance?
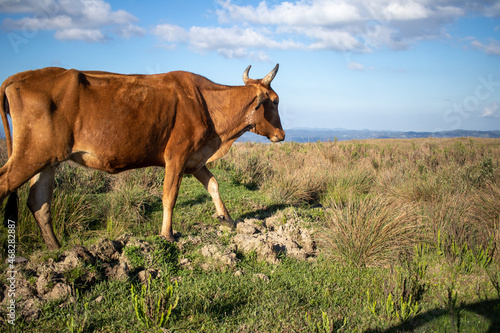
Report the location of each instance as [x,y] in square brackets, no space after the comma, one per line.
[278,137]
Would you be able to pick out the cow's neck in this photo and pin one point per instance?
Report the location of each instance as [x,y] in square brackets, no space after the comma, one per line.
[230,110]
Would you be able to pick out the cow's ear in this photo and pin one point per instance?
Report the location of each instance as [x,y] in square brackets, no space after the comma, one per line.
[261,98]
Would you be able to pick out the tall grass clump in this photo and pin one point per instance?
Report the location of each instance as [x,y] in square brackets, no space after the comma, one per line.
[486,216]
[348,182]
[288,174]
[298,180]
[74,178]
[248,165]
[371,231]
[134,194]
[72,217]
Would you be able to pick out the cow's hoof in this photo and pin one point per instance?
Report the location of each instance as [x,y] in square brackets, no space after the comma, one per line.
[169,238]
[227,222]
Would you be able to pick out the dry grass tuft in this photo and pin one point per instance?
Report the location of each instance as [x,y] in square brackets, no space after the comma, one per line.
[371,231]
[298,180]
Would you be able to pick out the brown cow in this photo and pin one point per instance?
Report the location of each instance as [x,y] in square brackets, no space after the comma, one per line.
[115,122]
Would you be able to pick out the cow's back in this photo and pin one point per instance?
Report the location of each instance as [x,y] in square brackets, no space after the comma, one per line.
[121,121]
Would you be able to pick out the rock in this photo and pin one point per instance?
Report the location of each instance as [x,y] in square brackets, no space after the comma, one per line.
[60,291]
[84,254]
[259,243]
[262,277]
[210,250]
[273,222]
[219,255]
[186,264]
[107,250]
[44,279]
[119,272]
[288,239]
[17,260]
[29,310]
[145,275]
[246,228]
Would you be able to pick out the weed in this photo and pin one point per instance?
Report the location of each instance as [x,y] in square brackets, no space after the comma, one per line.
[319,326]
[154,302]
[494,276]
[78,320]
[453,311]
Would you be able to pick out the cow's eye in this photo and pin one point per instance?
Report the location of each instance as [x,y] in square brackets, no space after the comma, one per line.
[276,102]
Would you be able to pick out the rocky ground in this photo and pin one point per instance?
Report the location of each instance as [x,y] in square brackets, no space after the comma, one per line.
[56,276]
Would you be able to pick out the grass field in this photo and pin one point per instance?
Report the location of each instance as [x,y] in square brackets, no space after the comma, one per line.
[407,234]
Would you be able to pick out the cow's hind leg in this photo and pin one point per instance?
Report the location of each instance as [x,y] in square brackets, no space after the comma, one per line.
[13,175]
[208,180]
[39,199]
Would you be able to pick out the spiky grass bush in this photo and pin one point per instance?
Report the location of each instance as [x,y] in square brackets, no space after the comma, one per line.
[486,216]
[132,197]
[77,179]
[296,180]
[73,216]
[349,182]
[371,231]
[297,185]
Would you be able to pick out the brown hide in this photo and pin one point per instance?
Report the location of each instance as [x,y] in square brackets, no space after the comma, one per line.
[114,122]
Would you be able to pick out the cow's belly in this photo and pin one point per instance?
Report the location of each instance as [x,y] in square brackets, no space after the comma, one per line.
[114,163]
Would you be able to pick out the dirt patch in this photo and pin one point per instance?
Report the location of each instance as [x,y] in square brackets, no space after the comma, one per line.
[270,239]
[52,276]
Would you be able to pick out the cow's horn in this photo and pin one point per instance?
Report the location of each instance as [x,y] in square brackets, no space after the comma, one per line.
[246,79]
[269,77]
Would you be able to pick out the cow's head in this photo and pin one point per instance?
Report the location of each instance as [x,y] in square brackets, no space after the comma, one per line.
[263,116]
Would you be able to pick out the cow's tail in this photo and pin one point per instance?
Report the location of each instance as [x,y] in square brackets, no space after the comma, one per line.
[11,208]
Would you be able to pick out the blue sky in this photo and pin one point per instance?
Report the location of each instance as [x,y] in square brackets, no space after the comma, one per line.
[417,65]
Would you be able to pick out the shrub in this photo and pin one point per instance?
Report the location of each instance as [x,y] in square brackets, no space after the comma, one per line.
[371,231]
[298,180]
[348,182]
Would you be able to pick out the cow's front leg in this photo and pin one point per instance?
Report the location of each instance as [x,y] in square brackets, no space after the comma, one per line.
[173,177]
[208,180]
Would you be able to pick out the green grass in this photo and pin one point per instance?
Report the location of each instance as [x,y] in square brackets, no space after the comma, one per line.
[407,233]
[296,298]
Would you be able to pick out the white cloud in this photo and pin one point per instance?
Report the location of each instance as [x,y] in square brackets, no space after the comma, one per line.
[130,30]
[493,48]
[337,40]
[207,38]
[407,10]
[233,42]
[491,110]
[357,26]
[170,33]
[348,25]
[355,66]
[89,20]
[302,13]
[88,35]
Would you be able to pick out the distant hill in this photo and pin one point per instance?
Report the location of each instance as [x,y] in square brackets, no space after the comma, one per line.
[313,135]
